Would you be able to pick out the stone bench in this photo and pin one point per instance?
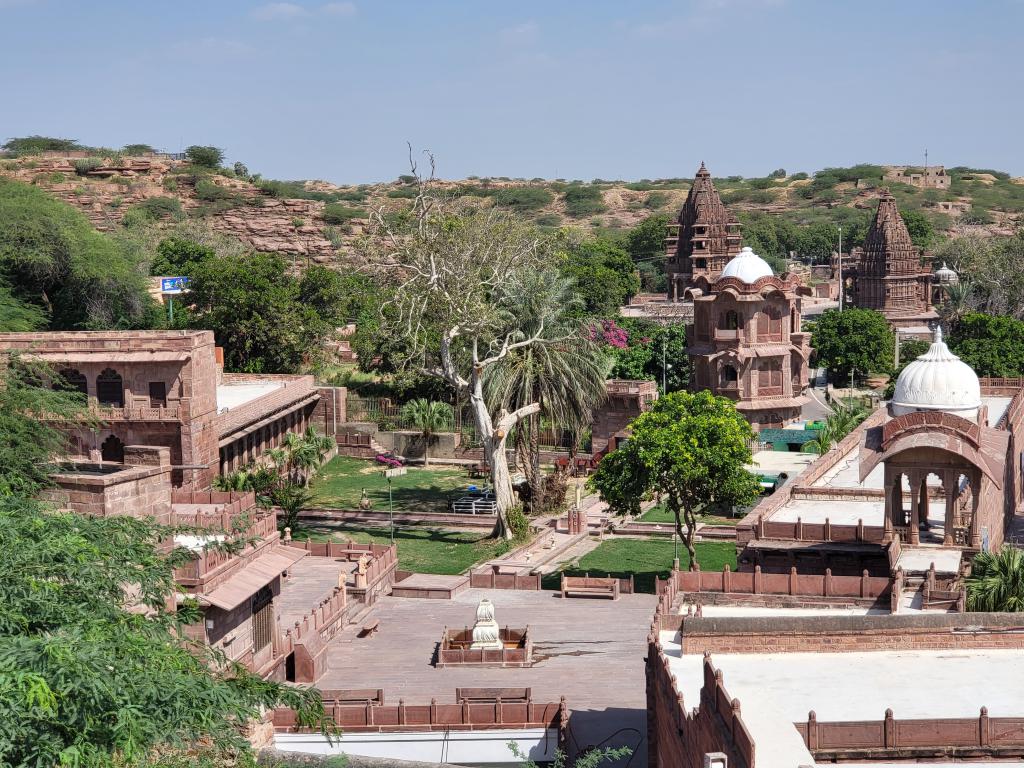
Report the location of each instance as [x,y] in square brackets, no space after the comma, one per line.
[590,586]
[474,695]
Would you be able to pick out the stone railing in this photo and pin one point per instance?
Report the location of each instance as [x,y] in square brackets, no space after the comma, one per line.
[455,650]
[493,578]
[792,583]
[384,718]
[169,412]
[206,562]
[231,505]
[380,568]
[904,738]
[801,531]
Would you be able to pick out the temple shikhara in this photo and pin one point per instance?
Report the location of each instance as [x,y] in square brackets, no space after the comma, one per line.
[703,239]
[887,272]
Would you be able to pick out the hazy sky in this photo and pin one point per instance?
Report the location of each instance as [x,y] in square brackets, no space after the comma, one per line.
[573,89]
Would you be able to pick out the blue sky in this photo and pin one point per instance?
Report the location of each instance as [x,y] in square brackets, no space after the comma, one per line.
[572,89]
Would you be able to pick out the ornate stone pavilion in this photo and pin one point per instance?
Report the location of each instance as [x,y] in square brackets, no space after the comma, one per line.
[923,483]
[745,342]
[887,273]
[702,240]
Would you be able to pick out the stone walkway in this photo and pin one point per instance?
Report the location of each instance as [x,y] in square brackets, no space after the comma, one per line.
[311,580]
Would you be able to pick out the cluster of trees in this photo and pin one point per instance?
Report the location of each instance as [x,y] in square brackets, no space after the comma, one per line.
[857,341]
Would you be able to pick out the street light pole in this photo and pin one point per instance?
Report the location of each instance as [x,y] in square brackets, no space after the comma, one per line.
[841,285]
[391,511]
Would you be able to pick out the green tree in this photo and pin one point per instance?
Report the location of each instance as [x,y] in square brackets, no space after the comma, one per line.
[179,256]
[430,417]
[996,582]
[291,498]
[583,200]
[920,228]
[266,319]
[857,340]
[604,274]
[645,244]
[651,352]
[34,145]
[690,449]
[205,157]
[52,259]
[991,345]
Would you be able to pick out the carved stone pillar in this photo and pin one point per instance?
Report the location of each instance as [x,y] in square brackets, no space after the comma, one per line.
[914,533]
[922,504]
[950,488]
[975,535]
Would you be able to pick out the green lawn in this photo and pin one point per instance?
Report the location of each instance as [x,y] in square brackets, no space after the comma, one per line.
[645,559]
[422,550]
[659,514]
[341,481]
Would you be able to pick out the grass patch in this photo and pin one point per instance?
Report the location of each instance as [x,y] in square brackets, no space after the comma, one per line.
[422,550]
[644,559]
[659,514]
[422,489]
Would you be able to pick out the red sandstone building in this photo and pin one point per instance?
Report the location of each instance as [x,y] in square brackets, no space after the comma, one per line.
[745,342]
[703,239]
[168,388]
[887,274]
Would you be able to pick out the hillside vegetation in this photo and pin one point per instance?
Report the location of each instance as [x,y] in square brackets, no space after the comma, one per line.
[320,221]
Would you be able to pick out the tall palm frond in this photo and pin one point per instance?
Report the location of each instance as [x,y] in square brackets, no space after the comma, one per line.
[429,417]
[996,582]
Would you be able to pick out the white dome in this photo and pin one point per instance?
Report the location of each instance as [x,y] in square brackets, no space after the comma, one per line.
[946,276]
[938,381]
[747,266]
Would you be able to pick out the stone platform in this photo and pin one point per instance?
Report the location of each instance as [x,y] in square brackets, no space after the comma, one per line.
[430,586]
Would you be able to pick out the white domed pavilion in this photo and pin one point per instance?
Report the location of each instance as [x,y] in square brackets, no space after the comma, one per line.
[938,381]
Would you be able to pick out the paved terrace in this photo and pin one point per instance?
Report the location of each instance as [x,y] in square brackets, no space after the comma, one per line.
[589,650]
[311,580]
[777,690]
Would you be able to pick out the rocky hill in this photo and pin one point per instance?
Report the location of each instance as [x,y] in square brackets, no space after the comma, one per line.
[319,221]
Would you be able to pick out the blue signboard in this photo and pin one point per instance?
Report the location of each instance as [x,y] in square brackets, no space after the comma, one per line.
[173,284]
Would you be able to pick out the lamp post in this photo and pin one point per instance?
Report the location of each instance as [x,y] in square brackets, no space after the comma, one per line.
[841,285]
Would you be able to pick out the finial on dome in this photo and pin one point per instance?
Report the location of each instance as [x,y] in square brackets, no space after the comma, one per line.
[937,335]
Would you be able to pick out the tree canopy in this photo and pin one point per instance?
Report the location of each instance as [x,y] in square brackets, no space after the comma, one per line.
[51,259]
[267,319]
[645,244]
[858,340]
[641,349]
[603,272]
[993,345]
[689,448]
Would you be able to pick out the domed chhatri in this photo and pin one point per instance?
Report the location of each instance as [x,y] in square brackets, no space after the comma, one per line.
[938,381]
[946,276]
[747,266]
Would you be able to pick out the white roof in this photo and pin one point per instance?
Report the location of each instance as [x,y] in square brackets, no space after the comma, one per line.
[938,381]
[234,395]
[747,266]
[778,689]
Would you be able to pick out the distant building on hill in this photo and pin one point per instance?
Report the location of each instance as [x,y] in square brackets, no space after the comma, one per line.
[929,177]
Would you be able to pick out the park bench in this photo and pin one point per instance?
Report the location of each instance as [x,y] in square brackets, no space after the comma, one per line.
[476,695]
[590,586]
[369,628]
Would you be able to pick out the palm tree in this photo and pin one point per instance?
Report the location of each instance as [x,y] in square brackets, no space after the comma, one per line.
[429,417]
[566,373]
[996,582]
[292,498]
[958,301]
[842,421]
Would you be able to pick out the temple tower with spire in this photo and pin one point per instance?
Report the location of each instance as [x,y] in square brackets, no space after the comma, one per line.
[888,275]
[702,240]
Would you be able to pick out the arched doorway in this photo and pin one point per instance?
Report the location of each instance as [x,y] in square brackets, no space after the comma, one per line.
[112,449]
[110,388]
[71,380]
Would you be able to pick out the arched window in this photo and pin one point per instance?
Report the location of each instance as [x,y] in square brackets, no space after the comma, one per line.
[110,388]
[729,377]
[730,320]
[112,449]
[71,381]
